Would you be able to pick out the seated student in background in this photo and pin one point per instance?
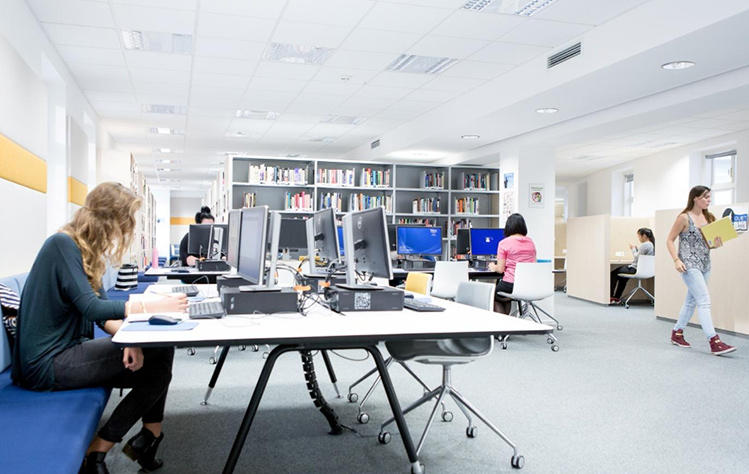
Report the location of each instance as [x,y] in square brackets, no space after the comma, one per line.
[61,301]
[515,248]
[202,217]
[647,247]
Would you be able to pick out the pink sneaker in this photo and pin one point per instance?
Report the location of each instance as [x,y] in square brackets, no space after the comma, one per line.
[718,347]
[677,338]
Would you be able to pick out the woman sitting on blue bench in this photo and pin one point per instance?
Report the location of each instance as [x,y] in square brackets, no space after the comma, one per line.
[61,300]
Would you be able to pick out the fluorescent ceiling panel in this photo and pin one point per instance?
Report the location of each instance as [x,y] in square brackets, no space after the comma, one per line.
[165,131]
[508,7]
[343,119]
[157,42]
[297,54]
[420,64]
[257,114]
[163,109]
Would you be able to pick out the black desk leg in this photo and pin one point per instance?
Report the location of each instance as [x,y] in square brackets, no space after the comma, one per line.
[257,394]
[331,372]
[387,384]
[216,372]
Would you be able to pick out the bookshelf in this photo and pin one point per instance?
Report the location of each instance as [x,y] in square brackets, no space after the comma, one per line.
[145,229]
[411,194]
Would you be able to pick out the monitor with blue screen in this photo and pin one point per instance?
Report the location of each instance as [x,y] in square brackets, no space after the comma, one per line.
[340,240]
[485,241]
[419,240]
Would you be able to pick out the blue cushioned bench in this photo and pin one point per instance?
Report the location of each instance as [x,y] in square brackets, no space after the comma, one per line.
[44,431]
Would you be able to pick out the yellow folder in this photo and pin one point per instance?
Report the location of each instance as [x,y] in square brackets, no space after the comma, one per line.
[722,228]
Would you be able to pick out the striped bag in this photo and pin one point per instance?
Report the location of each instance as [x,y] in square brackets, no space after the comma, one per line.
[9,302]
[127,277]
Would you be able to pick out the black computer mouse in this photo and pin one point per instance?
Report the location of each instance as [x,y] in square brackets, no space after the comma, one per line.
[162,319]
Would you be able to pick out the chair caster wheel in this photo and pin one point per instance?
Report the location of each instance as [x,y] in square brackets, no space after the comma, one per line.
[191,351]
[212,360]
[550,341]
[447,416]
[503,345]
[626,306]
[265,355]
[242,348]
[384,437]
[559,327]
[472,431]
[413,470]
[352,397]
[517,462]
[555,348]
[255,348]
[362,418]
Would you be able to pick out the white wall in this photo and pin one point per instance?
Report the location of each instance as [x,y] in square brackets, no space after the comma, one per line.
[163,215]
[182,207]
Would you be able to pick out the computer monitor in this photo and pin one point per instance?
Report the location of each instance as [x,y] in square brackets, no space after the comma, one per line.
[367,247]
[419,240]
[393,237]
[207,240]
[322,237]
[484,241]
[463,242]
[252,238]
[232,248]
[293,234]
[340,241]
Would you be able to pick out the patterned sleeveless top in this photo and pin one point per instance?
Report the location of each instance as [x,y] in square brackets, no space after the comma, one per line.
[693,250]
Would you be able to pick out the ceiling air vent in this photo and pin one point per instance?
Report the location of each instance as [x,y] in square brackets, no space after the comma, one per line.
[374,144]
[564,55]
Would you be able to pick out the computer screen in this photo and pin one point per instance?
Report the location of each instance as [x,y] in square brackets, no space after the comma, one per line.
[367,246]
[293,234]
[322,236]
[419,240]
[463,242]
[485,241]
[252,244]
[392,236]
[207,240]
[232,250]
[340,240]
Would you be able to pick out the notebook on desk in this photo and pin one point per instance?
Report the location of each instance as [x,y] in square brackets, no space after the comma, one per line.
[722,228]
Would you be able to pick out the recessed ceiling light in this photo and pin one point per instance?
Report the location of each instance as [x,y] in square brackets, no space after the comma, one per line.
[319,139]
[512,7]
[470,137]
[163,109]
[166,131]
[547,110]
[254,136]
[675,65]
[168,150]
[421,154]
[297,54]
[168,169]
[166,162]
[343,119]
[257,114]
[420,64]
[157,42]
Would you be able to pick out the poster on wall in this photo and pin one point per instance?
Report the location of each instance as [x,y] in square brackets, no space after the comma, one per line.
[509,181]
[738,216]
[536,197]
[508,204]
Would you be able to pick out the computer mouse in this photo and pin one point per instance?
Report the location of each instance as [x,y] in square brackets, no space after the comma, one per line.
[408,295]
[162,319]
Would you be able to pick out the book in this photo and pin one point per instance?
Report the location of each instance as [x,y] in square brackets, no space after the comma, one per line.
[722,228]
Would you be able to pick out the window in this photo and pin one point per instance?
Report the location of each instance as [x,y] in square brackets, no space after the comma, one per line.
[722,168]
[629,194]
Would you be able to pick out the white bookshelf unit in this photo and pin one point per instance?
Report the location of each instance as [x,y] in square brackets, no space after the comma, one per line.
[445,196]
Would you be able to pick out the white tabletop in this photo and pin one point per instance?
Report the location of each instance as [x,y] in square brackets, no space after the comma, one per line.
[324,325]
[164,271]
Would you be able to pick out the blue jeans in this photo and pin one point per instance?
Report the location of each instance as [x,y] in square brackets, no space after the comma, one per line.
[697,297]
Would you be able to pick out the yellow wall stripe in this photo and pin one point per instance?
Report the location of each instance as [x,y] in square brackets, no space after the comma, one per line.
[77,191]
[21,166]
[182,220]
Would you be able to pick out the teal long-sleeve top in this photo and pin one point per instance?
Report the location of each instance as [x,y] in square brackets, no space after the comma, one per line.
[57,311]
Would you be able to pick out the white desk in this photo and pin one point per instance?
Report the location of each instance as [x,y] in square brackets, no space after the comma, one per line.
[172,271]
[323,329]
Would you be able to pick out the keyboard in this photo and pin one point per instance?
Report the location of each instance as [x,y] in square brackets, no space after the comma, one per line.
[189,290]
[416,305]
[209,310]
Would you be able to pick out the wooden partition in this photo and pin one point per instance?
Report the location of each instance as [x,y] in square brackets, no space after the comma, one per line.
[727,285]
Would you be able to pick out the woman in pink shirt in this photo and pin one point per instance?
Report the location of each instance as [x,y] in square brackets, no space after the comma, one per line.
[515,248]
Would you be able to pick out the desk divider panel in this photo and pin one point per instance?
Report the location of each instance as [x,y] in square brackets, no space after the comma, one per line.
[588,258]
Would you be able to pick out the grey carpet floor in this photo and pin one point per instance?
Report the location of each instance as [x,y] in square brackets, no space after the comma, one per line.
[616,398]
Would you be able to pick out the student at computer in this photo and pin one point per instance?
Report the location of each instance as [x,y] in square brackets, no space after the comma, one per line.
[202,217]
[647,247]
[692,261]
[61,301]
[515,248]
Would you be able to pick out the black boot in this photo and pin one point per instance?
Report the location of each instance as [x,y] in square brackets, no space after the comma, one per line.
[142,448]
[94,464]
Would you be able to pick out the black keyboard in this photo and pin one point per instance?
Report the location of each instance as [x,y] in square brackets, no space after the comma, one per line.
[416,305]
[209,310]
[189,290]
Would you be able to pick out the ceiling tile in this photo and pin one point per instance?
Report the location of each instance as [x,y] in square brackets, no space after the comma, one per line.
[369,102]
[281,85]
[378,92]
[173,4]
[147,59]
[590,12]
[219,80]
[159,75]
[209,124]
[477,70]
[164,120]
[357,111]
[401,79]
[286,70]
[310,118]
[406,18]
[433,95]
[107,114]
[230,49]
[210,112]
[398,114]
[114,106]
[509,53]
[250,126]
[457,84]
[72,12]
[82,36]
[204,102]
[122,97]
[379,41]
[738,115]
[255,8]
[446,47]
[545,33]
[328,130]
[715,123]
[451,4]
[94,72]
[309,109]
[352,76]
[224,66]
[165,99]
[332,88]
[162,88]
[104,85]
[310,34]
[476,25]
[235,27]
[83,55]
[235,93]
[319,99]
[736,126]
[327,12]
[133,17]
[414,106]
[360,60]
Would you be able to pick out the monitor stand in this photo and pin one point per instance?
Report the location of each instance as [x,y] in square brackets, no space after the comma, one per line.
[258,288]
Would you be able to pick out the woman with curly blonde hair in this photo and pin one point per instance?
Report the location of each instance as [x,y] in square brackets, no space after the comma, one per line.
[63,298]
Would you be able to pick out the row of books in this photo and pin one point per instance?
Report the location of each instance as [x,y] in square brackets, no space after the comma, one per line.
[432,180]
[340,177]
[298,202]
[467,205]
[262,174]
[360,202]
[478,181]
[425,205]
[334,200]
[370,177]
[460,224]
[249,199]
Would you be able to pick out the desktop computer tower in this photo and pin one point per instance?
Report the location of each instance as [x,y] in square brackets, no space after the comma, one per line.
[385,299]
[266,302]
[230,281]
[212,266]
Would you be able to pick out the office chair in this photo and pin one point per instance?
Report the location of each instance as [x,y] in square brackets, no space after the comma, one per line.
[533,282]
[447,353]
[447,276]
[645,270]
[418,283]
[563,270]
